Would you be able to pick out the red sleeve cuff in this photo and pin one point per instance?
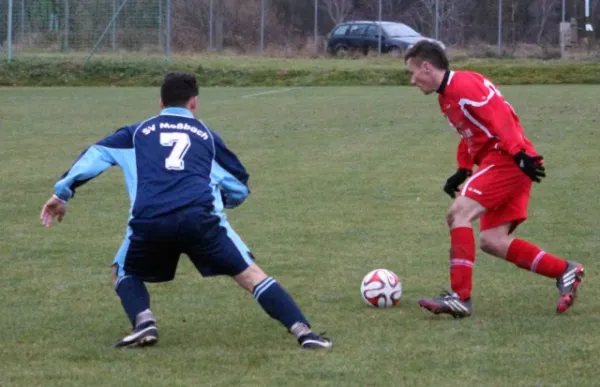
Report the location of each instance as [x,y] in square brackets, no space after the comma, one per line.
[515,149]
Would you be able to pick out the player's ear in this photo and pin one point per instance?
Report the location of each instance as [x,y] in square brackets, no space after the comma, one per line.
[193,103]
[162,105]
[426,66]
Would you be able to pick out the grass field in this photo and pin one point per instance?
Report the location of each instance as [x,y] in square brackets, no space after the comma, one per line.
[344,180]
[252,61]
[227,70]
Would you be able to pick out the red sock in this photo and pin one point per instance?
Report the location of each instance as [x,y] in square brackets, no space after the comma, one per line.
[530,257]
[462,257]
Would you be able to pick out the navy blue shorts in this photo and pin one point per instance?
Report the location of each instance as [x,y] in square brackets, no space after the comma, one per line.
[152,248]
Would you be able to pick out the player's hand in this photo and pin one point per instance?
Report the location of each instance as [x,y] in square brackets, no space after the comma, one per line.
[54,208]
[532,166]
[454,181]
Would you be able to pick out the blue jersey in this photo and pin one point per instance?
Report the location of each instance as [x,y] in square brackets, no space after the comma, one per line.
[170,162]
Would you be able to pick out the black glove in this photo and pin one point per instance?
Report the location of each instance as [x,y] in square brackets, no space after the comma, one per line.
[531,166]
[223,198]
[454,181]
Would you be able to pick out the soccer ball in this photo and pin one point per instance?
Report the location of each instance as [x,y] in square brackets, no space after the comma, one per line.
[381,288]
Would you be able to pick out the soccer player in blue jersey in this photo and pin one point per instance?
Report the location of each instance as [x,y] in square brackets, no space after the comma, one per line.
[180,176]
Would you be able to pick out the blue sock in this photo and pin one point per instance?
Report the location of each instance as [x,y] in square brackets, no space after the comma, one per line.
[134,296]
[278,303]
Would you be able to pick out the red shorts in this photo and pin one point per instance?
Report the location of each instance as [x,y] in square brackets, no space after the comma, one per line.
[502,188]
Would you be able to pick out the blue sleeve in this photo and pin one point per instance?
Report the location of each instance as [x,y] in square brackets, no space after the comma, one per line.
[230,174]
[92,162]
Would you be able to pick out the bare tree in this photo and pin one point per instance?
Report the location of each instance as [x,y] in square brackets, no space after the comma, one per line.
[542,11]
[514,10]
[449,17]
[396,6]
[513,14]
[338,10]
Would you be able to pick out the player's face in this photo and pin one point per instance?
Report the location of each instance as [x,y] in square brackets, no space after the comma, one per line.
[421,75]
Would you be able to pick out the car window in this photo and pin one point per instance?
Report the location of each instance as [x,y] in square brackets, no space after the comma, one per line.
[372,30]
[357,29]
[341,30]
[399,29]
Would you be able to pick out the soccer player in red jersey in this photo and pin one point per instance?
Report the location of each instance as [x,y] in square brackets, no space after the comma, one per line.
[497,194]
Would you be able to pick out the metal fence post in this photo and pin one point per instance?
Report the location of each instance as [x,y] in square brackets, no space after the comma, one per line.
[9,37]
[211,28]
[380,31]
[316,26]
[589,28]
[499,27]
[66,27]
[262,26]
[113,37]
[22,21]
[168,40]
[160,27]
[437,19]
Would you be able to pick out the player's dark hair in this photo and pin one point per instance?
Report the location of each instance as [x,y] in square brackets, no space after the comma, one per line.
[178,88]
[426,51]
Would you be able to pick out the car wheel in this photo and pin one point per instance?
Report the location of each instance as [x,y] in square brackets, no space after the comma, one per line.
[341,50]
[396,52]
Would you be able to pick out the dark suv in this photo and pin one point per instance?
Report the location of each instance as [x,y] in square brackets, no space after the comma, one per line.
[363,36]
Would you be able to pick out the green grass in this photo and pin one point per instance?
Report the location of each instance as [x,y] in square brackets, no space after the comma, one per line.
[321,61]
[344,180]
[124,69]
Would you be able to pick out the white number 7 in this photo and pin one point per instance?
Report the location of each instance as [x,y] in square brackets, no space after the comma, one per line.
[180,143]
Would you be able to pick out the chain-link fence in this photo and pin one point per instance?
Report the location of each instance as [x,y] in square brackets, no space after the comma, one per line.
[82,28]
[76,27]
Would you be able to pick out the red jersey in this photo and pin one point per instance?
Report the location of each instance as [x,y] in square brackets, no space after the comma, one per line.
[484,119]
